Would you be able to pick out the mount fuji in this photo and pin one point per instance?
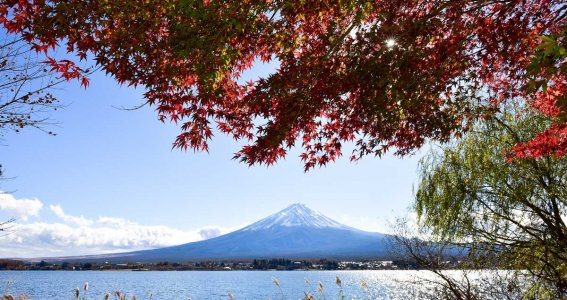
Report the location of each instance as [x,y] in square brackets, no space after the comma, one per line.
[295,232]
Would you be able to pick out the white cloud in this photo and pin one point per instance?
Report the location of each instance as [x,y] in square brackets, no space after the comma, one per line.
[22,208]
[131,236]
[58,211]
[211,232]
[78,235]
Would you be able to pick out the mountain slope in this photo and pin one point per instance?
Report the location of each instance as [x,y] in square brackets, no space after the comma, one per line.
[295,232]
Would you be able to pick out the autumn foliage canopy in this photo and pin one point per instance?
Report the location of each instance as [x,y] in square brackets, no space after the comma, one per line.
[382,74]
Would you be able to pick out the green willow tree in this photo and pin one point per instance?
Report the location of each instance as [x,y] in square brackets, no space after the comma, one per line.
[474,194]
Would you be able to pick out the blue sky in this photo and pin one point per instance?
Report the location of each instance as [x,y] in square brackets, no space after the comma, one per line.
[119,165]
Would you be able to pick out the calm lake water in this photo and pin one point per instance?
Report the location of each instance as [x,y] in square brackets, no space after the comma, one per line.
[210,284]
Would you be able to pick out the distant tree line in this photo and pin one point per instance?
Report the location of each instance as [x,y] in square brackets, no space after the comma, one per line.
[280,264]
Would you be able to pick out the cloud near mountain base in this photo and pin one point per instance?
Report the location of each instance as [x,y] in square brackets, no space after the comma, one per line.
[78,235]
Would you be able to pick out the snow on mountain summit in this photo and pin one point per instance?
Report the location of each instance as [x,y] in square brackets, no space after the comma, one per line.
[296,215]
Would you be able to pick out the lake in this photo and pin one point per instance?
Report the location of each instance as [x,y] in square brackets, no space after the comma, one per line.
[210,284]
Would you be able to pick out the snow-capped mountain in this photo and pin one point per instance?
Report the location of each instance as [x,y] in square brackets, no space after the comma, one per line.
[296,215]
[295,232]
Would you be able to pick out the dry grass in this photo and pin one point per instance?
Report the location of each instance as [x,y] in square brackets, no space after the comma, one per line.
[8,296]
